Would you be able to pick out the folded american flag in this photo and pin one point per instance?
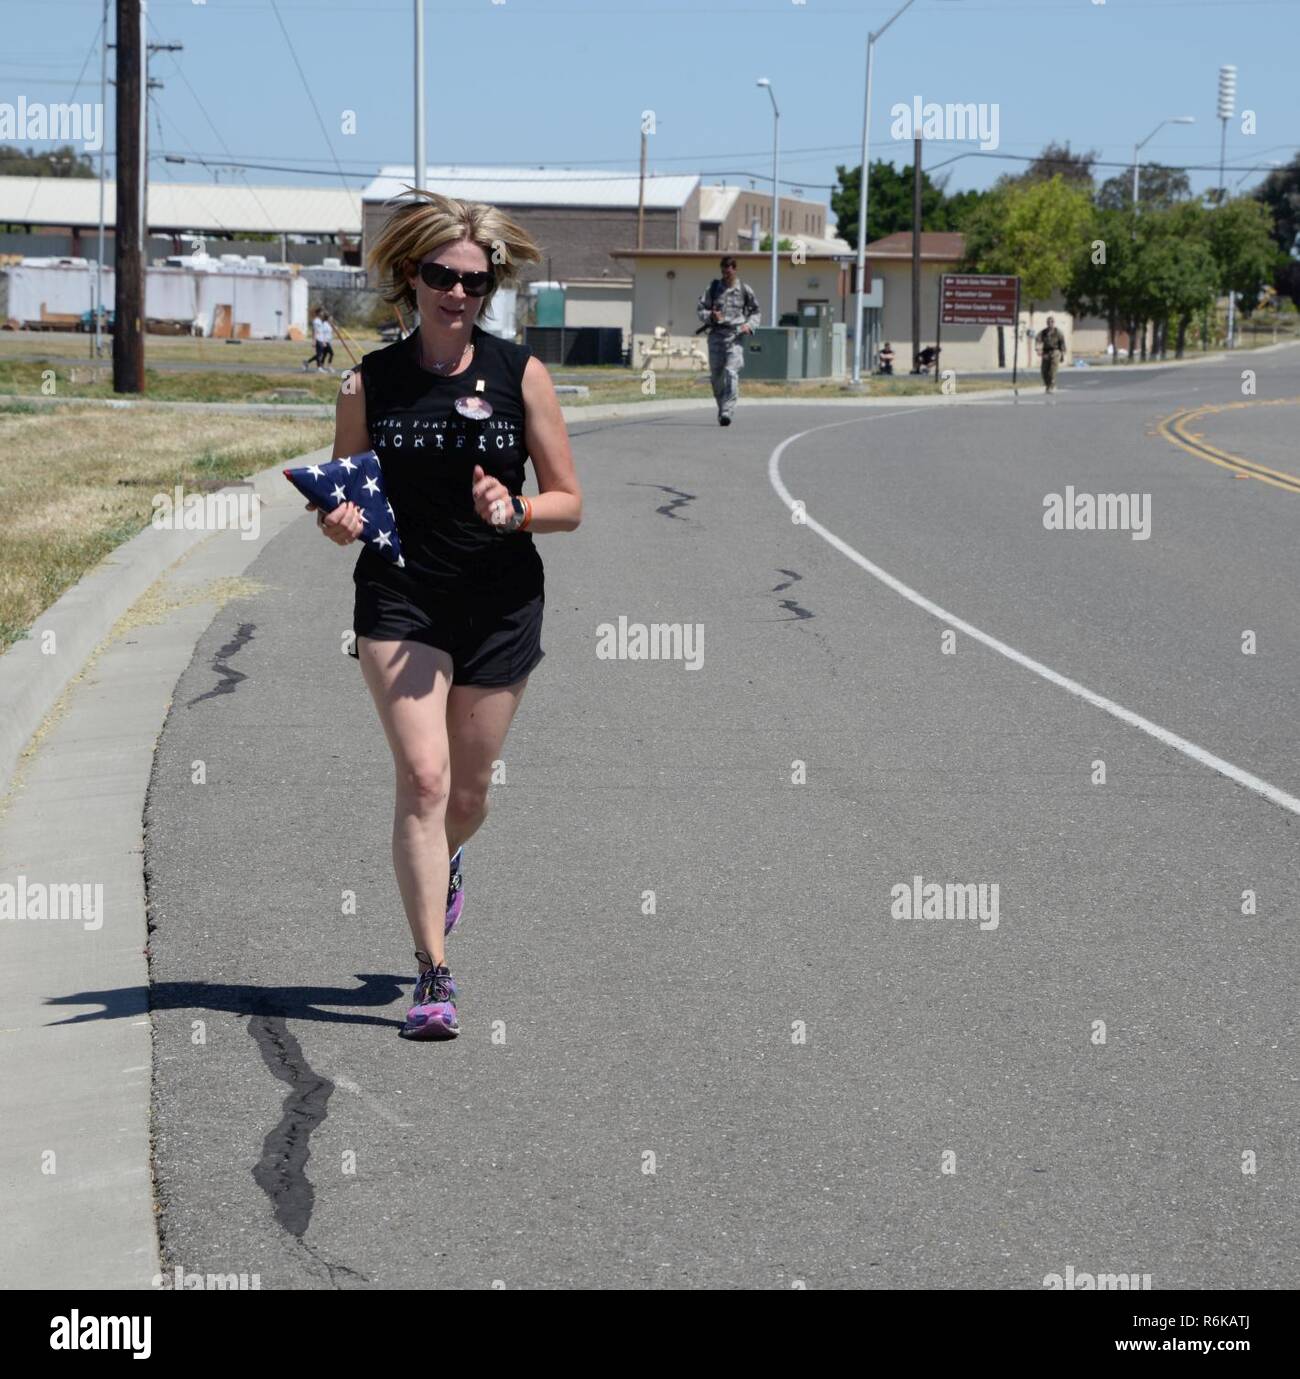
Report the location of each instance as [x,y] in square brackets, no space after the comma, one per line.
[354,479]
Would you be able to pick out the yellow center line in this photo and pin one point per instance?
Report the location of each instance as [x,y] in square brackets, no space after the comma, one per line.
[1175,430]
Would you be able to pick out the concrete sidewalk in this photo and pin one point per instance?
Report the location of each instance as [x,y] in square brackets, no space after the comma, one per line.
[75,1171]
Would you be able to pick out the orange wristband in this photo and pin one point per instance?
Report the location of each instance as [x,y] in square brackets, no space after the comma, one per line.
[528,513]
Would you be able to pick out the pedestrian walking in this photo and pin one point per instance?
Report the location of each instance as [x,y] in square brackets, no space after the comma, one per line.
[317,340]
[729,311]
[325,341]
[1051,346]
[448,641]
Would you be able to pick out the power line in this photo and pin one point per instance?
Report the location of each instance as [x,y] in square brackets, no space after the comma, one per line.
[306,86]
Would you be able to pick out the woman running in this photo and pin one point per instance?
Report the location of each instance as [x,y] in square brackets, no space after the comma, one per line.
[447,642]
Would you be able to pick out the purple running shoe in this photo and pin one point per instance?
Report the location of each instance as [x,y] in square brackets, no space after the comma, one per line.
[455,893]
[433,1013]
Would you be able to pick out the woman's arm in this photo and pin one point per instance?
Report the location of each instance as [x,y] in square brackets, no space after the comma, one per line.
[351,437]
[558,506]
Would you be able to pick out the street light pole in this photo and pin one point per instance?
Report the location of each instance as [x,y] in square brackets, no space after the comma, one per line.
[421,165]
[859,297]
[776,196]
[1137,148]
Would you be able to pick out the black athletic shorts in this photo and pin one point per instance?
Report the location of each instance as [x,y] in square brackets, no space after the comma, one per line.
[494,640]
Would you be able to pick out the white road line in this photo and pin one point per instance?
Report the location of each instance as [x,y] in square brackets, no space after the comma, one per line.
[1180,744]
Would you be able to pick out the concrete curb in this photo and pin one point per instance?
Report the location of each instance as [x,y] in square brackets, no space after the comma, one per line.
[75,1161]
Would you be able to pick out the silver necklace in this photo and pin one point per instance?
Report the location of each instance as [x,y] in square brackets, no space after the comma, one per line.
[433,365]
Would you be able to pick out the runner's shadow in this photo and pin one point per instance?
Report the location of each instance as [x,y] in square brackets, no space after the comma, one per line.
[284,1002]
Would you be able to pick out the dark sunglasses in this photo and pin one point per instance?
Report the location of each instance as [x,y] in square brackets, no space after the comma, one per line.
[443,279]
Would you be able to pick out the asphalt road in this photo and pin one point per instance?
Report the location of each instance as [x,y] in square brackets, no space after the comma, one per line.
[951,1117]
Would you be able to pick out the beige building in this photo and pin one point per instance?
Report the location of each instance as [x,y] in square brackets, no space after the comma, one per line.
[669,284]
[729,216]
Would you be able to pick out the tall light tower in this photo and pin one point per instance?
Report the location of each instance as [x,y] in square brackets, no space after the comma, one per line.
[1227,106]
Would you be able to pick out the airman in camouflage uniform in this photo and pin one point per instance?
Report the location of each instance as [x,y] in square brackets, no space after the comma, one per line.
[1051,345]
[730,311]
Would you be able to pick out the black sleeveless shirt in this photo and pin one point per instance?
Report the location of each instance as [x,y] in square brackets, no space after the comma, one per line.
[428,451]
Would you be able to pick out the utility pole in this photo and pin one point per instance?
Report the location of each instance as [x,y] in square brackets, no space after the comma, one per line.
[916,254]
[128,302]
[640,199]
[103,145]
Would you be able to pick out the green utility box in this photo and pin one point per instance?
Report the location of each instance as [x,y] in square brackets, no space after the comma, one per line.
[773,352]
[550,306]
[816,341]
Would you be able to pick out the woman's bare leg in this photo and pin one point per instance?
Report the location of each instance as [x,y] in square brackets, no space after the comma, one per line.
[478,718]
[409,683]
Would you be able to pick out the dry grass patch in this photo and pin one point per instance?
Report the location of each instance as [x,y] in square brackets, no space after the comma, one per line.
[84,480]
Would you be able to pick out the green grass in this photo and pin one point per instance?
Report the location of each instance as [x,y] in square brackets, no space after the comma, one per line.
[27,378]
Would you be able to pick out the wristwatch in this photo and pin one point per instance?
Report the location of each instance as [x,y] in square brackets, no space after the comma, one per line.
[517,514]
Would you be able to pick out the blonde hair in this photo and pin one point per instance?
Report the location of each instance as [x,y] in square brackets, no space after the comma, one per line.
[424,221]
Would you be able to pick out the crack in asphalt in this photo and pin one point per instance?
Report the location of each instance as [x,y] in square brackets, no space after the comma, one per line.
[680,501]
[230,678]
[281,1172]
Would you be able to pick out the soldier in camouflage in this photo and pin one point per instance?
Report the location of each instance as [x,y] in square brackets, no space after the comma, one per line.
[1051,345]
[729,311]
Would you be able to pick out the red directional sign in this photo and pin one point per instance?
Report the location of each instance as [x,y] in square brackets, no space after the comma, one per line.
[978,299]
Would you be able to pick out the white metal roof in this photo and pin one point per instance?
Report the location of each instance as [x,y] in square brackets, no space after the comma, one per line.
[716,202]
[525,186]
[204,207]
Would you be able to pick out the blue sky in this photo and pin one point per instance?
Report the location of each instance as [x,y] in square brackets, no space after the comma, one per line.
[564,82]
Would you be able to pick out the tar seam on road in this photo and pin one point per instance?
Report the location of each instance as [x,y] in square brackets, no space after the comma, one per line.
[229,678]
[1261,787]
[281,1172]
[801,614]
[679,501]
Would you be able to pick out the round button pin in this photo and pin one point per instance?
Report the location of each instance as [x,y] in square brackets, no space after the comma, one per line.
[474,407]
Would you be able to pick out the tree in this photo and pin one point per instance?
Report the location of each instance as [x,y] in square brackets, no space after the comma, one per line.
[1033,229]
[1158,188]
[1180,276]
[1280,192]
[59,162]
[1057,160]
[889,203]
[1240,236]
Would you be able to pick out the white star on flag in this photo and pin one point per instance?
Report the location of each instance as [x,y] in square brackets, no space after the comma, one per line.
[356,479]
